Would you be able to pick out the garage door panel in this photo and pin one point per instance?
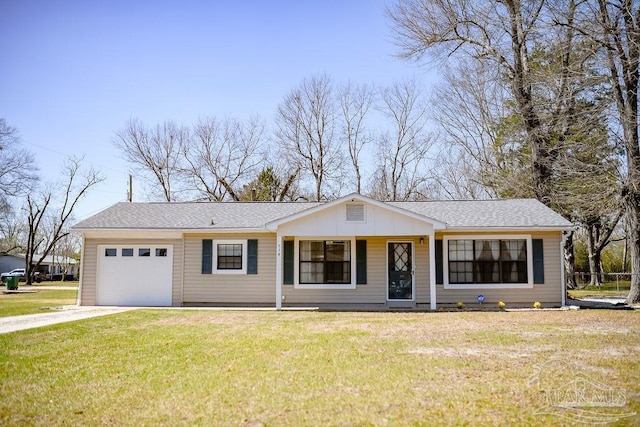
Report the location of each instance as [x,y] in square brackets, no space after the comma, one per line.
[127,277]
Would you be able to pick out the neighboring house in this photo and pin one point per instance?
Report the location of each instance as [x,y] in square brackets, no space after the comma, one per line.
[10,262]
[353,252]
[54,266]
[51,267]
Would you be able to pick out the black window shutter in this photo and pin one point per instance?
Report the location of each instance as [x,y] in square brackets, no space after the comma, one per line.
[288,262]
[252,256]
[361,262]
[538,261]
[439,278]
[207,253]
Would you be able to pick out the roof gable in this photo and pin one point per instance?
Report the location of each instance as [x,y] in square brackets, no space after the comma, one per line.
[354,198]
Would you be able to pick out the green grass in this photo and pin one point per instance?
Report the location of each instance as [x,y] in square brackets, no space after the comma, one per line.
[58,283]
[37,302]
[608,289]
[151,367]
[590,293]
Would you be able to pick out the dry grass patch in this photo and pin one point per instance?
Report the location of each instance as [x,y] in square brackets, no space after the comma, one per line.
[312,368]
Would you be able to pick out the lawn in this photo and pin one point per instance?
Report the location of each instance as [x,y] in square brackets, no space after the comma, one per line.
[41,301]
[57,283]
[608,289]
[150,367]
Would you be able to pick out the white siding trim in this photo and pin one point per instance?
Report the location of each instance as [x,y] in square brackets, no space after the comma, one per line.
[445,261]
[279,240]
[79,295]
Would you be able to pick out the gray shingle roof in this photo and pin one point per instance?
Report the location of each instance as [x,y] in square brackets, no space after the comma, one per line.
[192,216]
[508,213]
[516,213]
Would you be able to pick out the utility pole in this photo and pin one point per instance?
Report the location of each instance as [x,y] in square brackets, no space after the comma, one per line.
[130,193]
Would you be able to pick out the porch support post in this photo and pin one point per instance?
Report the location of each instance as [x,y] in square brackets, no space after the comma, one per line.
[432,270]
[563,272]
[279,241]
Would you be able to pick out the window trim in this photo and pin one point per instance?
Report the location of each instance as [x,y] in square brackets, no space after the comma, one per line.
[214,256]
[296,264]
[445,261]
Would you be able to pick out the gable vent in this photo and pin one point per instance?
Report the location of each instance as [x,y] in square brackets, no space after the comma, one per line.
[355,212]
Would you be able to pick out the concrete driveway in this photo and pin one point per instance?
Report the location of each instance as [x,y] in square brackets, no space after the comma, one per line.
[66,314]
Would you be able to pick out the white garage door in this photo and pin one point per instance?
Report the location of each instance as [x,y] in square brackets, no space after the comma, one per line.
[134,275]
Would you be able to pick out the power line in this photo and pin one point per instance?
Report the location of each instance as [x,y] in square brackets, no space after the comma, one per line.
[69,155]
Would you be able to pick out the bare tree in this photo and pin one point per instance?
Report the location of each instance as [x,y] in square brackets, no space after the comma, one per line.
[401,171]
[17,166]
[355,103]
[305,133]
[156,152]
[471,107]
[222,156]
[64,252]
[496,31]
[45,206]
[12,231]
[554,88]
[618,35]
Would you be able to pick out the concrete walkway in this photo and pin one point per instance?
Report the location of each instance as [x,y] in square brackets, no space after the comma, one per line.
[66,314]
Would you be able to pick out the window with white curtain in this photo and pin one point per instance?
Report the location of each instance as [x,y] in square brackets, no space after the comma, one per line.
[487,261]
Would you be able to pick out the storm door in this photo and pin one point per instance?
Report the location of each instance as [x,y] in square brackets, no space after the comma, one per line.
[400,270]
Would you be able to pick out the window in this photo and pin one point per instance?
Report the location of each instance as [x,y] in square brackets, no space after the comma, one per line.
[110,252]
[325,262]
[144,252]
[127,251]
[487,261]
[161,252]
[229,256]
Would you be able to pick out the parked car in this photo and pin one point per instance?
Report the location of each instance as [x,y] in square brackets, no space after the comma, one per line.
[19,272]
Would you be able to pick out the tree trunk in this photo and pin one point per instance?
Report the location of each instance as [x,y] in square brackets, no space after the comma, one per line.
[569,261]
[632,202]
[595,269]
[594,254]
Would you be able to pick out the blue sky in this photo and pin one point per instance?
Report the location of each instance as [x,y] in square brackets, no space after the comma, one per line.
[73,72]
